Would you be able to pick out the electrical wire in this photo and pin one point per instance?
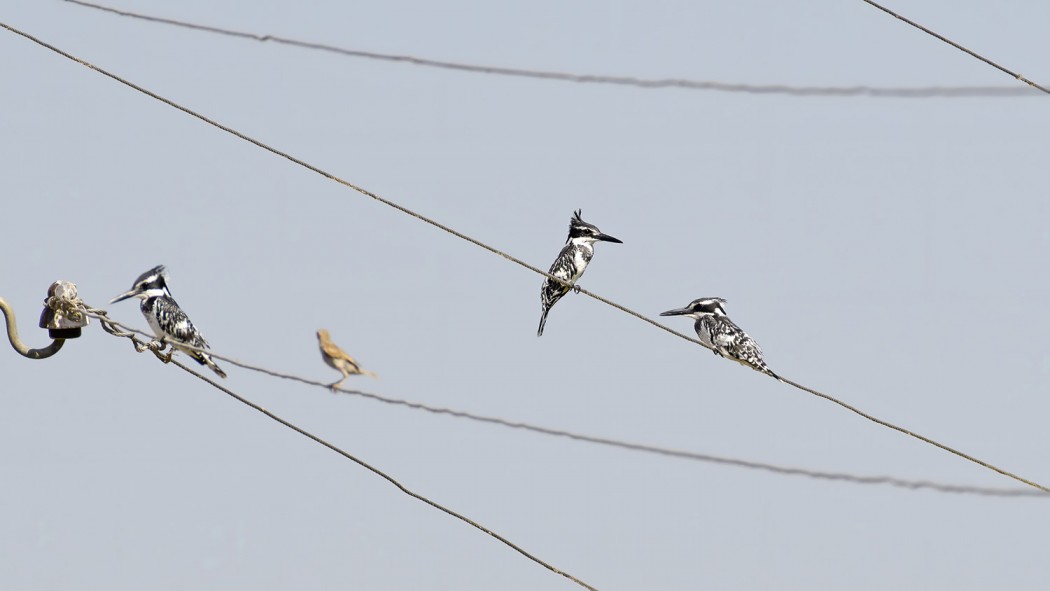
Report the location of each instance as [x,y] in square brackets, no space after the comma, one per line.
[119,330]
[105,320]
[1011,73]
[500,253]
[680,83]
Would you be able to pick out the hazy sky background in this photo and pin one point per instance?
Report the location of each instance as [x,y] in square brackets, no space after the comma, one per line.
[889,252]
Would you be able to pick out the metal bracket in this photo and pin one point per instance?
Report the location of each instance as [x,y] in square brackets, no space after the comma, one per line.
[63,316]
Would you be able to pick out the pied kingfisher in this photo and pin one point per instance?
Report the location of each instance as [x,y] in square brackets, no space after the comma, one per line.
[166,318]
[571,262]
[725,338]
[338,359]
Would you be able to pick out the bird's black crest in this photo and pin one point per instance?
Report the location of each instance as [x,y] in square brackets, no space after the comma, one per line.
[578,227]
[156,272]
[712,305]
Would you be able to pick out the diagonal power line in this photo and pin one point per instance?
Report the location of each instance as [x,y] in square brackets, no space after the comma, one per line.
[680,83]
[114,328]
[1011,73]
[495,251]
[906,484]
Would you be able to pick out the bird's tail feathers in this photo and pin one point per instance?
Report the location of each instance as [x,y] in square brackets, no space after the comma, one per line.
[759,366]
[771,373]
[206,359]
[543,321]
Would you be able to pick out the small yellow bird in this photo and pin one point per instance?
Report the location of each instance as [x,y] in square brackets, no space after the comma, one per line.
[338,359]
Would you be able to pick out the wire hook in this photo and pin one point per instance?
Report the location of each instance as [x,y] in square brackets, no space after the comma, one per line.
[61,316]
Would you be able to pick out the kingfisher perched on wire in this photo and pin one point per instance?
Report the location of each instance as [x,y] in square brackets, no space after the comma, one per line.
[725,338]
[166,318]
[338,359]
[572,261]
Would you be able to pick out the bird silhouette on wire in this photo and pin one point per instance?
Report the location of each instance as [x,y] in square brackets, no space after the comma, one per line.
[339,359]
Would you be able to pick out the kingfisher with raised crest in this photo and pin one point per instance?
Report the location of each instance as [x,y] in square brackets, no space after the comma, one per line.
[166,318]
[572,261]
[721,334]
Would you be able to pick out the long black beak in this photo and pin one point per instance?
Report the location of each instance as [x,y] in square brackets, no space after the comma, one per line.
[676,312]
[124,296]
[608,238]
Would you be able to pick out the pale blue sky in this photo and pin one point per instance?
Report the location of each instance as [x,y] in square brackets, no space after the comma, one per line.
[889,252]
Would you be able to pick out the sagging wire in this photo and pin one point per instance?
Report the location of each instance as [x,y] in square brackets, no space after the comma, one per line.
[123,330]
[678,83]
[119,330]
[500,253]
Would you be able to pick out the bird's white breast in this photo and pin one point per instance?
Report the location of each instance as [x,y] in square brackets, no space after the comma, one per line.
[151,319]
[580,257]
[703,331]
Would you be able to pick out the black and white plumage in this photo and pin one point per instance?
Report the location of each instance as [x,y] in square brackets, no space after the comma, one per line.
[725,338]
[166,318]
[572,261]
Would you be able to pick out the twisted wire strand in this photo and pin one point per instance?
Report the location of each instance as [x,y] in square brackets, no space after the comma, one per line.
[680,83]
[120,330]
[493,250]
[906,484]
[972,53]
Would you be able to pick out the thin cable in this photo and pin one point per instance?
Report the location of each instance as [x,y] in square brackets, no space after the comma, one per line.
[111,327]
[105,321]
[345,183]
[480,244]
[915,435]
[957,46]
[386,477]
[802,91]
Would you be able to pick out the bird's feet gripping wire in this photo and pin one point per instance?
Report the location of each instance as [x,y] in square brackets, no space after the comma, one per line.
[157,347]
